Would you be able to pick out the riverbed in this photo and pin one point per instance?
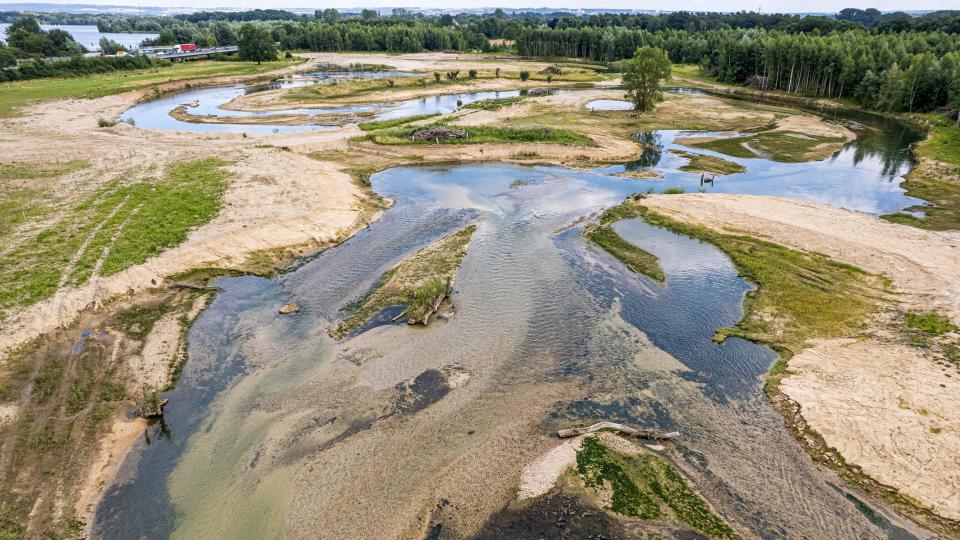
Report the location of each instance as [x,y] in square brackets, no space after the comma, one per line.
[548,332]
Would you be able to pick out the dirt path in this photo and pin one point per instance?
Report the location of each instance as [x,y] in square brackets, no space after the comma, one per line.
[902,424]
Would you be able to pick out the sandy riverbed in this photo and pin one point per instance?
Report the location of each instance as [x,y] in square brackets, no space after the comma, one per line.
[885,406]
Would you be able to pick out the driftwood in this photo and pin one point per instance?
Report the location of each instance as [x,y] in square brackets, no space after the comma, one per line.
[437,133]
[434,307]
[195,287]
[619,428]
[539,92]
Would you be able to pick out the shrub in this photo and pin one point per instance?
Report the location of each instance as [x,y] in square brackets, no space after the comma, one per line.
[106,122]
[472,73]
[436,76]
[675,190]
[288,55]
[524,75]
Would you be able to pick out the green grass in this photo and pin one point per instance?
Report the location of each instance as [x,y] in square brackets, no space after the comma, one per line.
[137,321]
[781,146]
[799,296]
[386,124]
[124,223]
[647,487]
[494,104]
[675,190]
[943,141]
[731,146]
[709,164]
[14,95]
[31,171]
[636,259]
[935,179]
[933,324]
[486,134]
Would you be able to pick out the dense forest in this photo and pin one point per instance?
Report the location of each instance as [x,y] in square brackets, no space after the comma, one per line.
[906,71]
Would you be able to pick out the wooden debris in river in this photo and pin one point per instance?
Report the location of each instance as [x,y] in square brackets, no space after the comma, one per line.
[651,434]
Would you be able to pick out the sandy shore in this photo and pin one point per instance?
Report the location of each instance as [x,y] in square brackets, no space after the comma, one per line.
[901,425]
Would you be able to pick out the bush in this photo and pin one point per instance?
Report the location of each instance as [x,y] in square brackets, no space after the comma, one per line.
[78,66]
[524,75]
[106,122]
[288,55]
[472,73]
[676,190]
[436,76]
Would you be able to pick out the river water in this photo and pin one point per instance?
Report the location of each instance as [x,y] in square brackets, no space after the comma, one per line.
[275,427]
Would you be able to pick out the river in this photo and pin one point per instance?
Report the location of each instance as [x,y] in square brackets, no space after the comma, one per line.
[276,427]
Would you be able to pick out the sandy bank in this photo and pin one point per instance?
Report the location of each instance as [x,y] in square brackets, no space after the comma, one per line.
[886,407]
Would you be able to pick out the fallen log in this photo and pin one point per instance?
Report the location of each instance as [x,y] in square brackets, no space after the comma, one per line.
[651,434]
[195,287]
[447,289]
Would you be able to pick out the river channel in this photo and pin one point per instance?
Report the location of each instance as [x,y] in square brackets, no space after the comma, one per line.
[275,427]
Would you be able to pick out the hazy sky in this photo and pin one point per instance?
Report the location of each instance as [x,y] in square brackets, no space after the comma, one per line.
[767,6]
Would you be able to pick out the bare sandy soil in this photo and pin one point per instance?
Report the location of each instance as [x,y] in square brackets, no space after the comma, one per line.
[887,407]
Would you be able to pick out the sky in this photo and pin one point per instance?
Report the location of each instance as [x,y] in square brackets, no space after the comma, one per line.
[766,6]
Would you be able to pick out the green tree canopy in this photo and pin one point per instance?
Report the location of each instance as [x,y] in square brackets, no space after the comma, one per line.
[256,44]
[642,76]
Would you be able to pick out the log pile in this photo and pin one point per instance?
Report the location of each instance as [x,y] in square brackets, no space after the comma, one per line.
[437,133]
[651,434]
[540,92]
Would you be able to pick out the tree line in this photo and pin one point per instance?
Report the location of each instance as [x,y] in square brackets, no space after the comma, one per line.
[907,71]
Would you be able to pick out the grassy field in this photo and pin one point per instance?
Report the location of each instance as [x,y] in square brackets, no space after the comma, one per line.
[936,179]
[486,134]
[119,225]
[24,191]
[647,487]
[708,164]
[14,95]
[413,283]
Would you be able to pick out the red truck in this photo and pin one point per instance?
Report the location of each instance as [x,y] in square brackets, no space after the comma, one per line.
[187,47]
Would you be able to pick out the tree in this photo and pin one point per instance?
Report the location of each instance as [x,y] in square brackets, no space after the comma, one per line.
[256,43]
[108,46]
[643,74]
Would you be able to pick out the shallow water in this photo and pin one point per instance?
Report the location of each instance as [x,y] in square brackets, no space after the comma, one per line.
[609,105]
[273,425]
[155,114]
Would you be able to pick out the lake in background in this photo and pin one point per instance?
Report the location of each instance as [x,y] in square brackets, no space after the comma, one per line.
[88,35]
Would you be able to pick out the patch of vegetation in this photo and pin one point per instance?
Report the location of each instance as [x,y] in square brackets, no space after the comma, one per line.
[494,104]
[636,259]
[932,324]
[781,146]
[116,227]
[932,331]
[386,124]
[938,186]
[487,134]
[674,190]
[14,95]
[647,487]
[732,146]
[935,179]
[137,321]
[414,283]
[708,164]
[30,171]
[799,296]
